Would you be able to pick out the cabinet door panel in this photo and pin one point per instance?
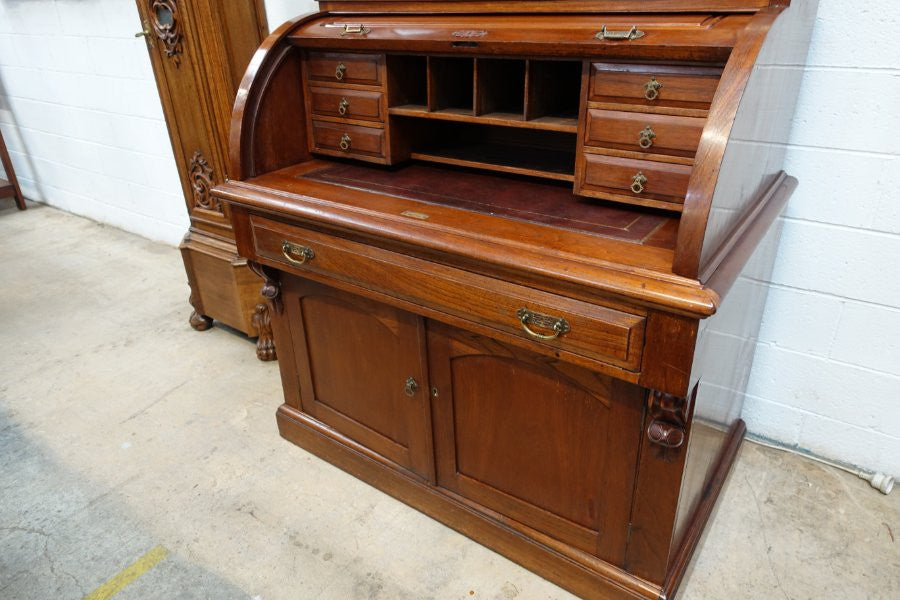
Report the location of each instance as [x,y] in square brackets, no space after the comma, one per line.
[550,445]
[354,357]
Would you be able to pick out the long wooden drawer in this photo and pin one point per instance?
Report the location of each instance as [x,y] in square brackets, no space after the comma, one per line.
[604,175]
[349,140]
[654,85]
[346,103]
[595,332]
[345,67]
[643,132]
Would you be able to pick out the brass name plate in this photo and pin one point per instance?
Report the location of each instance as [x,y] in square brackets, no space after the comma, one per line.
[414,214]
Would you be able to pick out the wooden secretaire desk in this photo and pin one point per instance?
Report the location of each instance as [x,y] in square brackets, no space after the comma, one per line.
[514,254]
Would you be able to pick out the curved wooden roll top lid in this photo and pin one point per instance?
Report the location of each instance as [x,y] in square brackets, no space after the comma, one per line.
[547,6]
[696,36]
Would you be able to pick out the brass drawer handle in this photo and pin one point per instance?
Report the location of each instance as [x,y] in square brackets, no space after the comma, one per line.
[651,89]
[296,253]
[411,387]
[629,34]
[339,71]
[646,138]
[345,142]
[558,325]
[638,182]
[343,106]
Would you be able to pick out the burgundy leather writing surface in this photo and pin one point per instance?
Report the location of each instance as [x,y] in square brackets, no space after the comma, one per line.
[509,197]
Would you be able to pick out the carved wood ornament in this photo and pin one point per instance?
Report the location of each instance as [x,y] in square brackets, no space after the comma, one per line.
[202,183]
[265,343]
[271,289]
[669,416]
[164,18]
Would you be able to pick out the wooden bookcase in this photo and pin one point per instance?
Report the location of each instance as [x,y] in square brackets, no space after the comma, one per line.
[199,51]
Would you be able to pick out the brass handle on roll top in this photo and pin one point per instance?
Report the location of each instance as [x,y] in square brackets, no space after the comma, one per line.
[629,34]
[343,106]
[345,142]
[638,182]
[339,71]
[296,253]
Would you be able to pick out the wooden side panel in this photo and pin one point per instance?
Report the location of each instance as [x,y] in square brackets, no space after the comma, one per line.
[547,444]
[269,102]
[742,150]
[726,344]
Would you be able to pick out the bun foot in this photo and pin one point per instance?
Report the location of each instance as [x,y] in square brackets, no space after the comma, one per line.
[200,322]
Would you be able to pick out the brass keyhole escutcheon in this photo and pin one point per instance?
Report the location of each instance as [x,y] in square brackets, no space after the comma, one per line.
[646,137]
[343,106]
[651,89]
[638,182]
[339,71]
[345,142]
[411,387]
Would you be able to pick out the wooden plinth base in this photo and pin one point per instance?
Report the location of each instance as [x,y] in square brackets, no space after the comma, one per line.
[571,569]
[223,288]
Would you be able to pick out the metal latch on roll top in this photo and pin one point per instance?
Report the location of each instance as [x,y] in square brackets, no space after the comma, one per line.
[350,28]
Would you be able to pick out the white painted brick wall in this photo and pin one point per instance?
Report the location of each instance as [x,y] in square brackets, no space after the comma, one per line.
[81,115]
[827,371]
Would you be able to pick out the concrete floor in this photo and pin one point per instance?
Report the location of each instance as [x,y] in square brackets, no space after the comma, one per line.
[124,432]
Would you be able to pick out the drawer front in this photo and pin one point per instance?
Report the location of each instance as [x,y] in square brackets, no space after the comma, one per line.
[594,332]
[346,103]
[653,86]
[351,140]
[643,132]
[610,174]
[345,67]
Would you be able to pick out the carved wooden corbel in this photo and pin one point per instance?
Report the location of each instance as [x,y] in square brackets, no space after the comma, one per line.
[271,289]
[668,419]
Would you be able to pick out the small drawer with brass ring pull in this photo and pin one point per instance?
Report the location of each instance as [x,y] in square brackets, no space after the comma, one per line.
[296,253]
[558,325]
[340,139]
[344,67]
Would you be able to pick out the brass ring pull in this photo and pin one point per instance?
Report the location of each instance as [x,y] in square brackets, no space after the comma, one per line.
[411,387]
[339,71]
[558,325]
[651,89]
[345,142]
[647,137]
[296,253]
[343,106]
[638,182]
